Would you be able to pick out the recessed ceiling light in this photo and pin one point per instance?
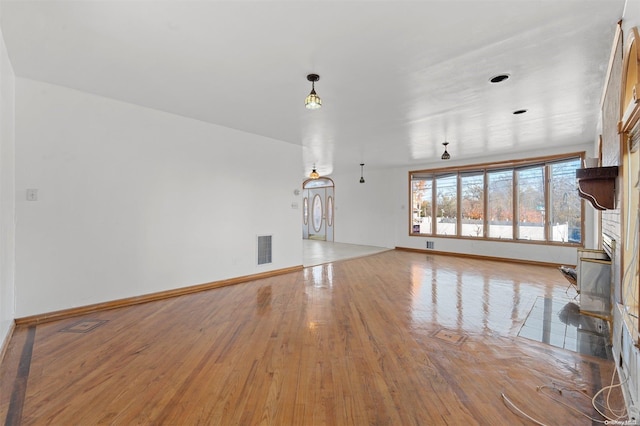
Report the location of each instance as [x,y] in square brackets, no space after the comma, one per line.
[499,78]
[519,111]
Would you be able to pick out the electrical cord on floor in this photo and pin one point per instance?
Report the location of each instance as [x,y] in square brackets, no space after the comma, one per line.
[559,390]
[522,413]
[619,416]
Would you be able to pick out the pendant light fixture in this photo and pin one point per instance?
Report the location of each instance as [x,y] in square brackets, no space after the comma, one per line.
[314,174]
[313,101]
[361,172]
[445,154]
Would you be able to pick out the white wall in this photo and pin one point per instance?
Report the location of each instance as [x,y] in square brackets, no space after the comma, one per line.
[133,201]
[7,194]
[363,213]
[631,16]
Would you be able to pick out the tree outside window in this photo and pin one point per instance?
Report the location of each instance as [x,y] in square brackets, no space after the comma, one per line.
[513,195]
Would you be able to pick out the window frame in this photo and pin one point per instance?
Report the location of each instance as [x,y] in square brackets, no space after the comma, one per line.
[488,198]
[485,168]
[461,199]
[518,201]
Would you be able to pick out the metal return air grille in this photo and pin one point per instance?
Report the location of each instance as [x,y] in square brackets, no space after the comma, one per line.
[264,249]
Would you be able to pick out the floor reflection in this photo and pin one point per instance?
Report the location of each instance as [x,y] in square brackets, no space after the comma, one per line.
[469,300]
[465,297]
[560,323]
[263,300]
[318,310]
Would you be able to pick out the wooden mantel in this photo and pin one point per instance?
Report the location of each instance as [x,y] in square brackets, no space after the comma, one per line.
[598,186]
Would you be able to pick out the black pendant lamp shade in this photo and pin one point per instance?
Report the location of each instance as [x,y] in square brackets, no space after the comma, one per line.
[445,154]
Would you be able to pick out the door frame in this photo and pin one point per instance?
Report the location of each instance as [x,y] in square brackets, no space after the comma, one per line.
[309,187]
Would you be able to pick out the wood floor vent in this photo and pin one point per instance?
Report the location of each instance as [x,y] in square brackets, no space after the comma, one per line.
[83,326]
[450,336]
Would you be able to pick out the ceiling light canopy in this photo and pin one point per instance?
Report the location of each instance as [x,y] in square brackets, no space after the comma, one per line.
[445,154]
[314,174]
[313,101]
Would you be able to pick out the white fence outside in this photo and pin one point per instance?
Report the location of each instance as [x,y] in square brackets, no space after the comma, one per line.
[527,232]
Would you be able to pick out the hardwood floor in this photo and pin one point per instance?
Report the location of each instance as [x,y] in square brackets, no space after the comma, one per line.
[395,338]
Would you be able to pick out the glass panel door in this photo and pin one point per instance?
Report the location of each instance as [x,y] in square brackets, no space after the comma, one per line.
[318,216]
[316,226]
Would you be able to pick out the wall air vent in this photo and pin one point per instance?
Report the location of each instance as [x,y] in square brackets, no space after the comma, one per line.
[264,249]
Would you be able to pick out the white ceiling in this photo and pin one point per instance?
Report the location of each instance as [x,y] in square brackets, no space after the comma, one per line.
[396,78]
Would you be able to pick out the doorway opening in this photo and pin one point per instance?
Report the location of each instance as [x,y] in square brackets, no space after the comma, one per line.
[318,209]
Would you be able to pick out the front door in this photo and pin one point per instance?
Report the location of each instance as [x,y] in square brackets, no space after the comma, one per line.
[318,209]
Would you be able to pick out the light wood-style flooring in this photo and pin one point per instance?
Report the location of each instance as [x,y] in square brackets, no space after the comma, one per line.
[317,252]
[395,338]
